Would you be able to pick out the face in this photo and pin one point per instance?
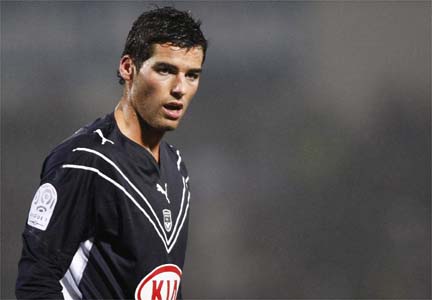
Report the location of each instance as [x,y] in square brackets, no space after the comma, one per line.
[162,89]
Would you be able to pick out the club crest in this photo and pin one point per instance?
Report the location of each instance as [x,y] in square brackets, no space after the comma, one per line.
[167,219]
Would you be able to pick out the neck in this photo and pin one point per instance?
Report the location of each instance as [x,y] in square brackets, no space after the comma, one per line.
[135,128]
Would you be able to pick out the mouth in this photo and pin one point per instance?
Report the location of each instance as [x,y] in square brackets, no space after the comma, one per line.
[173,110]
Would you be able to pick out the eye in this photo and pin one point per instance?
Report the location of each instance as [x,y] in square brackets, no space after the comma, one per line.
[192,76]
[163,71]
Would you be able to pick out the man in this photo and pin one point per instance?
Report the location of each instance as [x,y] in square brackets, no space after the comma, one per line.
[110,217]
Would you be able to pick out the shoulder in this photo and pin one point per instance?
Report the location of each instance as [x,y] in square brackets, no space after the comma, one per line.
[90,136]
[176,156]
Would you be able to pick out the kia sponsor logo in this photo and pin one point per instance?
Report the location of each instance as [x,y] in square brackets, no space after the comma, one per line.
[160,284]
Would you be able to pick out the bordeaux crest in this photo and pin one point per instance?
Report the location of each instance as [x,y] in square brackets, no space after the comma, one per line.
[167,219]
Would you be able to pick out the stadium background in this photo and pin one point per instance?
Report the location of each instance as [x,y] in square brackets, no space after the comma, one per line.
[308,143]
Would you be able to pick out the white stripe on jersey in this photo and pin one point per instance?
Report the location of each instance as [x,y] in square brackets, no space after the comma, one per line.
[162,231]
[179,160]
[73,276]
[124,191]
[128,181]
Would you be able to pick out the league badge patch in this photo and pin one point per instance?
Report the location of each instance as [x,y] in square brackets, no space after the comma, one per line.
[42,206]
[161,283]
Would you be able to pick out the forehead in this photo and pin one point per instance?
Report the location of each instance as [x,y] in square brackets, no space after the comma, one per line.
[193,57]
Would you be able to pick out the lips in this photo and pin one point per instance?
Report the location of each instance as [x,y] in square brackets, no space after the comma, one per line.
[173,110]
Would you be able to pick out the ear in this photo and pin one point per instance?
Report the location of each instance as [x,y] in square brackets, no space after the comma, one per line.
[126,68]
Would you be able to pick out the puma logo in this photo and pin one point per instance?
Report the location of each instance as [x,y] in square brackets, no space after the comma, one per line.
[163,191]
[104,140]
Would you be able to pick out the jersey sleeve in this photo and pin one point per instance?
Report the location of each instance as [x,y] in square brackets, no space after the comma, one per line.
[60,218]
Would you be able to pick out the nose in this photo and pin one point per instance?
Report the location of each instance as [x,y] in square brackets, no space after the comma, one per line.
[179,87]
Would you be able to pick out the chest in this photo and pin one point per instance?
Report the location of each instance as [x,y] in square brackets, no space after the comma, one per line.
[141,204]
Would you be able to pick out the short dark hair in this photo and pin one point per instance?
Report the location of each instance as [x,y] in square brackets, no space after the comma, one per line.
[160,26]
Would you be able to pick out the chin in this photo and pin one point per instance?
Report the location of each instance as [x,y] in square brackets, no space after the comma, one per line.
[166,129]
[162,125]
[169,127]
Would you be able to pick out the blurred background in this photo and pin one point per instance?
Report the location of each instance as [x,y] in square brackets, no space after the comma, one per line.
[308,143]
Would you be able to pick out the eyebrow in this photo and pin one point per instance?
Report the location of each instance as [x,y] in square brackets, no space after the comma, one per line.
[173,67]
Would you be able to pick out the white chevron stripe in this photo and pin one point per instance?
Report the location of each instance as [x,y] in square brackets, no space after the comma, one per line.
[124,191]
[181,225]
[179,214]
[128,181]
[162,231]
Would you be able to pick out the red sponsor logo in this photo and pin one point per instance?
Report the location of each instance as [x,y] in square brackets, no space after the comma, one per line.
[160,284]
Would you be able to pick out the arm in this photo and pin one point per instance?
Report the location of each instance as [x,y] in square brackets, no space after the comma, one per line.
[59,220]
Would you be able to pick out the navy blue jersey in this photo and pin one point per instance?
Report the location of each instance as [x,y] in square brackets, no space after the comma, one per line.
[107,221]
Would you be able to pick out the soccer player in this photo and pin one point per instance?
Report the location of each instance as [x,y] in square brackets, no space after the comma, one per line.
[110,217]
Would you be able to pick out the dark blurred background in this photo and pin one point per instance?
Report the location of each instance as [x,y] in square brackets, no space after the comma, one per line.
[308,143]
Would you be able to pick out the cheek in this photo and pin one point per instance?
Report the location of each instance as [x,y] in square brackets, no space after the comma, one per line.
[156,87]
[145,90]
